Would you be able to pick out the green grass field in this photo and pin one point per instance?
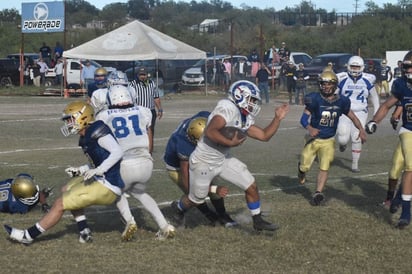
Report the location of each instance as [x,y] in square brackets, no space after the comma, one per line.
[350,234]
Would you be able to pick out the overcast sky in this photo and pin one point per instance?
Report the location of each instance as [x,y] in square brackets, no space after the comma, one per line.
[338,5]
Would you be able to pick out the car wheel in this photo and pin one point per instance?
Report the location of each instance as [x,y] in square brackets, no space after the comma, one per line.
[6,81]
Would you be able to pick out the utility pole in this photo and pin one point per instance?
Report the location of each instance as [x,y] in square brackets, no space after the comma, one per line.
[356,5]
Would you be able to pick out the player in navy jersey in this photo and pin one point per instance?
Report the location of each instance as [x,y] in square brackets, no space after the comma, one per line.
[401,93]
[321,117]
[181,144]
[99,184]
[21,194]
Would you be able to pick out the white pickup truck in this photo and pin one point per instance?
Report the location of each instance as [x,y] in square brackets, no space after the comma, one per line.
[296,58]
[72,72]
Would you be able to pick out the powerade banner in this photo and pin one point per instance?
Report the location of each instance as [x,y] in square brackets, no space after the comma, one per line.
[42,17]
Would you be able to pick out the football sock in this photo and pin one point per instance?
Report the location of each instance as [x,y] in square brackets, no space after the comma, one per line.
[219,205]
[81,222]
[390,194]
[35,230]
[151,206]
[254,207]
[204,208]
[124,209]
[406,208]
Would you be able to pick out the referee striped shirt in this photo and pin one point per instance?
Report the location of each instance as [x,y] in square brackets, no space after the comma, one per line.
[145,93]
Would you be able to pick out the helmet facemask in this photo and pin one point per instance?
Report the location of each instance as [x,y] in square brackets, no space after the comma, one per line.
[355,66]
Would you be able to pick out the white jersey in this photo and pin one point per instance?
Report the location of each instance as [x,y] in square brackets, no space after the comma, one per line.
[208,151]
[130,127]
[359,91]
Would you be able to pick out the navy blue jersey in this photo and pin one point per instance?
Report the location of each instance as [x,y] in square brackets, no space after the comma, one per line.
[403,92]
[9,203]
[325,114]
[96,154]
[179,147]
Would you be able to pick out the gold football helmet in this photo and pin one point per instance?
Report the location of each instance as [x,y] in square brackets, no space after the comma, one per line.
[196,128]
[24,189]
[76,116]
[100,72]
[328,82]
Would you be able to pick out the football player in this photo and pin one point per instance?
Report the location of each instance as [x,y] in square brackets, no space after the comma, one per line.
[401,93]
[181,144]
[100,81]
[359,88]
[21,194]
[211,155]
[100,184]
[131,127]
[321,118]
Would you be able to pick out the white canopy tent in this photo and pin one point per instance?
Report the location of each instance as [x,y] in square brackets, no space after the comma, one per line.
[134,41]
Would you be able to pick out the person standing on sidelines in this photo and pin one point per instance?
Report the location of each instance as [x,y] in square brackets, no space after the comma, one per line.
[147,95]
[262,80]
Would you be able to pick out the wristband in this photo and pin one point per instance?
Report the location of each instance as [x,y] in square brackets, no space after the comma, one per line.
[213,189]
[304,120]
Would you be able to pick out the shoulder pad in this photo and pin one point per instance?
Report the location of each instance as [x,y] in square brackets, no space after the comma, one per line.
[100,130]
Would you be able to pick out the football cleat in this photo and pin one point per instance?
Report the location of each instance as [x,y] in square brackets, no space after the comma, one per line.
[342,148]
[317,198]
[225,220]
[301,176]
[178,216]
[168,232]
[259,224]
[85,236]
[18,235]
[129,231]
[402,223]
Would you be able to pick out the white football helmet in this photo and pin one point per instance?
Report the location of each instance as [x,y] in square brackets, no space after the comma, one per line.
[355,66]
[246,96]
[117,77]
[119,95]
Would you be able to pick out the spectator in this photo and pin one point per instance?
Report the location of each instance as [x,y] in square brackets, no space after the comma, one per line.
[240,69]
[290,82]
[45,53]
[262,81]
[58,69]
[300,77]
[227,71]
[57,52]
[43,70]
[254,60]
[87,75]
[35,73]
[284,53]
[272,56]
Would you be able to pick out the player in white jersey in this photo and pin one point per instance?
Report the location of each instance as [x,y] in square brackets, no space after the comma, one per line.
[131,127]
[359,87]
[98,100]
[211,156]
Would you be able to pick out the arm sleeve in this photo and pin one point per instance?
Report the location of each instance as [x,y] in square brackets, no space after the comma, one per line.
[375,100]
[109,143]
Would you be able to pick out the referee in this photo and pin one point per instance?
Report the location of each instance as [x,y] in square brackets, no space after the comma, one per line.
[147,95]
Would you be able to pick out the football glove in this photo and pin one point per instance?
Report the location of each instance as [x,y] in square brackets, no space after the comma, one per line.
[394,123]
[76,171]
[93,172]
[47,191]
[371,127]
[45,208]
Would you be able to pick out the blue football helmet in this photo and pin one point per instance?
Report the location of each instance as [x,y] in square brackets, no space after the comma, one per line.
[246,96]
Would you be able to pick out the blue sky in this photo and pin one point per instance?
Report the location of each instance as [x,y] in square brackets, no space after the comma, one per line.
[339,6]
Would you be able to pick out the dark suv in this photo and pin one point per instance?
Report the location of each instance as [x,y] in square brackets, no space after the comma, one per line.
[316,66]
[9,72]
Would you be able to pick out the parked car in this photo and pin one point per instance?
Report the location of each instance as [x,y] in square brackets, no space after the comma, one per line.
[169,72]
[194,76]
[9,72]
[316,66]
[296,58]
[27,56]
